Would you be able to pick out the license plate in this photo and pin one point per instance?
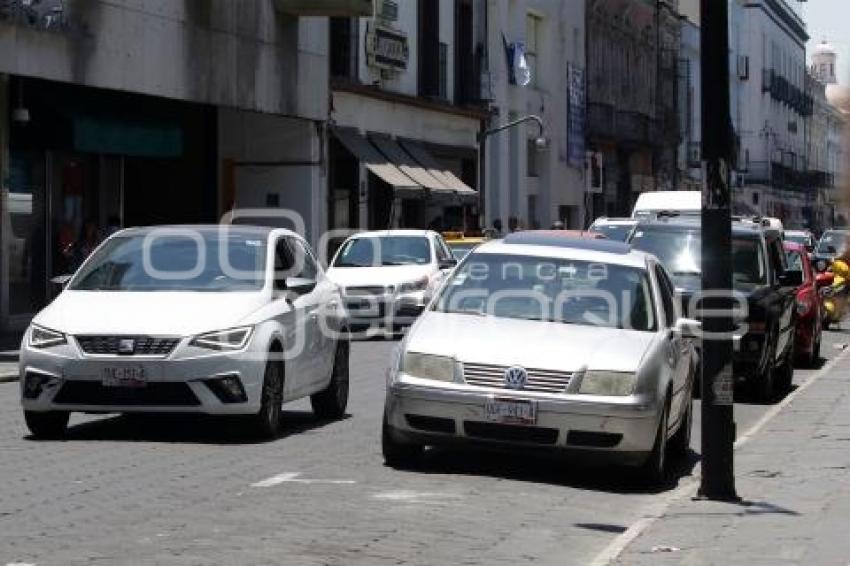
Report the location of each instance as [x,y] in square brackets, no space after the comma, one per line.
[124,376]
[511,411]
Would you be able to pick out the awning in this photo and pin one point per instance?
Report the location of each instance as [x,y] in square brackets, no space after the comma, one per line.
[408,165]
[443,174]
[364,151]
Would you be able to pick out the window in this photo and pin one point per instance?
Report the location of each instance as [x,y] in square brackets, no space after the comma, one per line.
[442,250]
[532,45]
[666,289]
[343,47]
[533,223]
[429,48]
[305,265]
[444,71]
[531,159]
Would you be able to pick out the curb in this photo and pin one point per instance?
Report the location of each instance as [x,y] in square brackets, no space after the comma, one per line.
[689,485]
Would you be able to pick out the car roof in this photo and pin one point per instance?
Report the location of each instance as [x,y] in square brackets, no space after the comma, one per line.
[581,234]
[581,249]
[623,221]
[674,223]
[396,232]
[799,232]
[237,230]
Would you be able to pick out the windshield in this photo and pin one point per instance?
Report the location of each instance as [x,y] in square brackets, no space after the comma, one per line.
[460,249]
[832,242]
[547,289]
[616,232]
[213,262]
[384,250]
[802,239]
[680,252]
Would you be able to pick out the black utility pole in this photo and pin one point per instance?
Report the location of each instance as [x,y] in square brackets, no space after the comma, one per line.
[718,425]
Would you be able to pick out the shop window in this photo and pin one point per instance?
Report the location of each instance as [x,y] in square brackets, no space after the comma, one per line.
[343,47]
[532,156]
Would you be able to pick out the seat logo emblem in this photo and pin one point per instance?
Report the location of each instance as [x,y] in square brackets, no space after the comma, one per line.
[516,377]
[126,346]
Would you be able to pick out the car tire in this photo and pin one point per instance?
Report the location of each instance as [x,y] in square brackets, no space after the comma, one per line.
[680,442]
[763,387]
[400,455]
[785,372]
[266,423]
[654,470]
[47,425]
[330,403]
[812,359]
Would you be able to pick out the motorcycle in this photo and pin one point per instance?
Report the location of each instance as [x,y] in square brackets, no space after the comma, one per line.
[834,292]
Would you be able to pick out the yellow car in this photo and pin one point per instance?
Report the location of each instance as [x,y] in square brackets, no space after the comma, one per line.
[461,244]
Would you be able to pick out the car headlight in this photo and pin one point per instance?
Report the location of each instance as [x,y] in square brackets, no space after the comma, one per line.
[418,285]
[41,337]
[615,383]
[232,339]
[428,366]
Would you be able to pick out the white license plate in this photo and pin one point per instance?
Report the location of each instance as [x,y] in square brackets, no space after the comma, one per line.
[511,411]
[124,376]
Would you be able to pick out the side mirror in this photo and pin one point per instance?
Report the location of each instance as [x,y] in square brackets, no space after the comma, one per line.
[688,327]
[61,280]
[831,250]
[791,279]
[449,263]
[824,279]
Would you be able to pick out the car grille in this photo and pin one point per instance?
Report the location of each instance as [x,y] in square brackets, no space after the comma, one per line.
[368,291]
[540,380]
[164,394]
[144,345]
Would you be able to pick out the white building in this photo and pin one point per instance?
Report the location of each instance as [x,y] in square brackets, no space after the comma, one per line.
[536,186]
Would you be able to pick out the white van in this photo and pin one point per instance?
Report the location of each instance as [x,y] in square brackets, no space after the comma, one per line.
[683,202]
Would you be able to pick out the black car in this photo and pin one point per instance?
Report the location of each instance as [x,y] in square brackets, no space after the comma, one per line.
[764,345]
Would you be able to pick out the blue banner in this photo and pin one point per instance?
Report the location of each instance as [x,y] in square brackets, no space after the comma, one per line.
[576,103]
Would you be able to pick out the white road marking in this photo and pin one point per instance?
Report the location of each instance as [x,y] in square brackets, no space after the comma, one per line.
[689,484]
[292,477]
[417,497]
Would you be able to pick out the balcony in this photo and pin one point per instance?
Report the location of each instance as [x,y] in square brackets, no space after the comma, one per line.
[782,90]
[331,8]
[787,178]
[605,122]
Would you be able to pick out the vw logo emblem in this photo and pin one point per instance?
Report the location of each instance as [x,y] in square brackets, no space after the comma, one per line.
[126,346]
[516,377]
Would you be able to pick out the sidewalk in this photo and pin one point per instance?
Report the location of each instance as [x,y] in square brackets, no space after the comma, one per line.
[793,477]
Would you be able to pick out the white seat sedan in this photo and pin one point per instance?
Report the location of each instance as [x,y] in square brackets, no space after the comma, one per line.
[541,340]
[388,276]
[223,320]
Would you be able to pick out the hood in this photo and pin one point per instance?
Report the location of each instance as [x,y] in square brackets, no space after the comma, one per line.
[156,313]
[377,276]
[543,345]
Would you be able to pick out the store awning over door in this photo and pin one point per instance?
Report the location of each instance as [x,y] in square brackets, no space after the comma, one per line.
[443,174]
[409,166]
[364,151]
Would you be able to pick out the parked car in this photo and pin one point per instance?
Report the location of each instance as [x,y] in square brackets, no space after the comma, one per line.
[222,320]
[810,310]
[803,237]
[617,229]
[832,243]
[764,353]
[603,367]
[387,277]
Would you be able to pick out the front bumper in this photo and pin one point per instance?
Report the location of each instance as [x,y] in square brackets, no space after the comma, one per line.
[621,430]
[398,309]
[72,381]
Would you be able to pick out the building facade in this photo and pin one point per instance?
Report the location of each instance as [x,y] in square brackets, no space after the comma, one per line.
[633,97]
[405,115]
[119,113]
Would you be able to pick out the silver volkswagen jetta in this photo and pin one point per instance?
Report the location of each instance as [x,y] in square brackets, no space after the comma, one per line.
[547,341]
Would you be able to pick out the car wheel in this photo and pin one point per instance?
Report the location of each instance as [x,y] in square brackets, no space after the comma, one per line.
[654,471]
[266,423]
[680,442]
[398,454]
[330,403]
[763,385]
[47,425]
[814,359]
[785,375]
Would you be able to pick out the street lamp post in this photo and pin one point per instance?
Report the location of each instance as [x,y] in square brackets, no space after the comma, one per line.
[539,141]
[717,480]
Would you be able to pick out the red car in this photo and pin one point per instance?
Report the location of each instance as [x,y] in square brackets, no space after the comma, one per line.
[809,306]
